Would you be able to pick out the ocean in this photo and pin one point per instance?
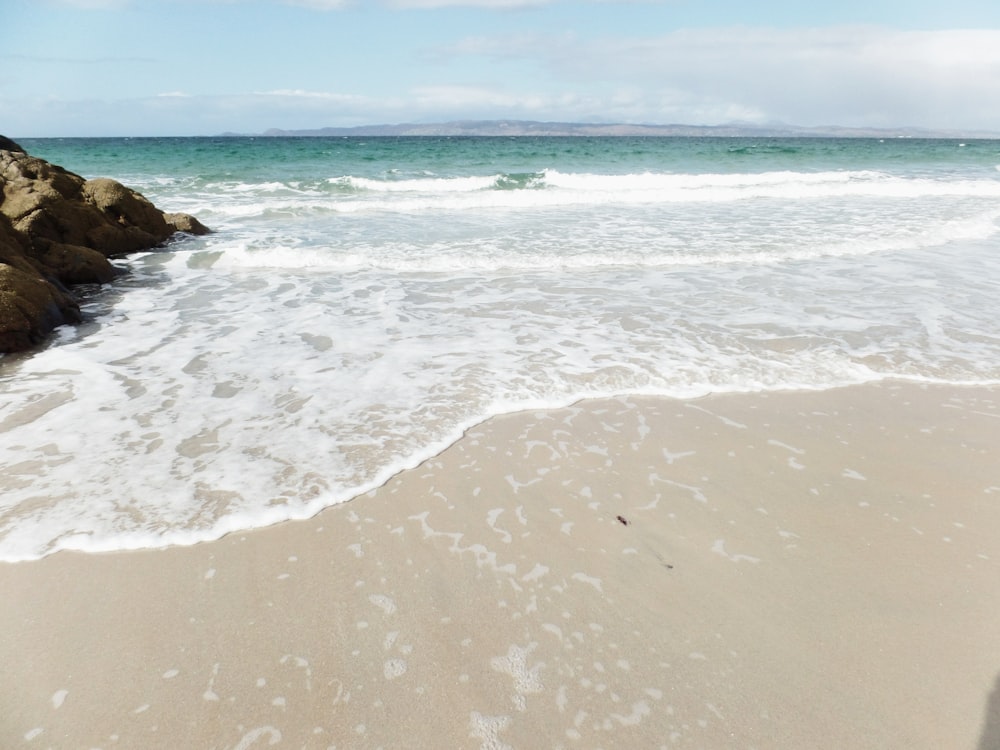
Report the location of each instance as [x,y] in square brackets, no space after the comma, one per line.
[364,301]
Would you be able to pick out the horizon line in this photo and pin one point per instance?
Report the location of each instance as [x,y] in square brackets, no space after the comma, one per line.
[541,128]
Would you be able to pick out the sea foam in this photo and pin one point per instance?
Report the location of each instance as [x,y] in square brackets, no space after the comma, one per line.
[336,330]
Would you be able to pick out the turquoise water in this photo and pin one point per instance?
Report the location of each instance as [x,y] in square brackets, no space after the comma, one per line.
[365,300]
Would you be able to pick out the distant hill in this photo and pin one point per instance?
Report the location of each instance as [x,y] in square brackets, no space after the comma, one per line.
[528,127]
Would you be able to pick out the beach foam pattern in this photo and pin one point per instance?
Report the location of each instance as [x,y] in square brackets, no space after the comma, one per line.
[350,319]
[453,608]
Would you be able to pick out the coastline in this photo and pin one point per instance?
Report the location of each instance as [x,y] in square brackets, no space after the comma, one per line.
[778,570]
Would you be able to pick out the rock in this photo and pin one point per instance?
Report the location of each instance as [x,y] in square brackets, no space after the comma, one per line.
[56,229]
[30,307]
[13,247]
[126,209]
[186,223]
[75,264]
[6,144]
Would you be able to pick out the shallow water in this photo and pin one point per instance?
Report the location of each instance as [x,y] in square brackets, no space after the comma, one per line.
[363,301]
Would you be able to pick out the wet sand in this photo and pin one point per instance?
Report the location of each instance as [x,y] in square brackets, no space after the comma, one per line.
[776,571]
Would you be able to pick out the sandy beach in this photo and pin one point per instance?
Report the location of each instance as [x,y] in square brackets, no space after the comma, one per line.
[787,570]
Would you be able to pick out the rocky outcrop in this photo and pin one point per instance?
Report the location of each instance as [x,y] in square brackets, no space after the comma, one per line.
[58,229]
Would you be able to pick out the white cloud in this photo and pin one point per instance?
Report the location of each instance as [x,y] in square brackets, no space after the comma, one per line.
[460,98]
[844,75]
[303,94]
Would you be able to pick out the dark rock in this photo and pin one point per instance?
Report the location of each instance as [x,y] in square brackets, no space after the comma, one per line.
[56,229]
[75,264]
[30,305]
[126,209]
[186,223]
[6,144]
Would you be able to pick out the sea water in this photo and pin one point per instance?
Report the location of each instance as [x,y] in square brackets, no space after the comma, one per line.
[363,301]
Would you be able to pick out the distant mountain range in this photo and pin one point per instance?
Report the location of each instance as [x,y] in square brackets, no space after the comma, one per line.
[528,127]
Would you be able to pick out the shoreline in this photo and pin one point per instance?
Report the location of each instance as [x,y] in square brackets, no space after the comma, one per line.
[233,525]
[780,570]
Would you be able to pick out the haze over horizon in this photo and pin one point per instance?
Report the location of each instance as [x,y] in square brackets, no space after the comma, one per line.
[203,67]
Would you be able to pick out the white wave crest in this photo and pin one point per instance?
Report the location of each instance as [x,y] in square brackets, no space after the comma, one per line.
[561,189]
[420,185]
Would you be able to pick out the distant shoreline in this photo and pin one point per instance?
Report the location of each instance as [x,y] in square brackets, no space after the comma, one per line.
[533,128]
[519,129]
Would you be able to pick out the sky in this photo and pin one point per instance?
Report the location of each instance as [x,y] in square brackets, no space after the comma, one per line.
[204,67]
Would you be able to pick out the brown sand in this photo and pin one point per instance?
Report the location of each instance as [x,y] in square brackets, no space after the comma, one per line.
[773,571]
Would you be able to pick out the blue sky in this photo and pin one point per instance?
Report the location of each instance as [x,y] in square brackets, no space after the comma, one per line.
[202,67]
